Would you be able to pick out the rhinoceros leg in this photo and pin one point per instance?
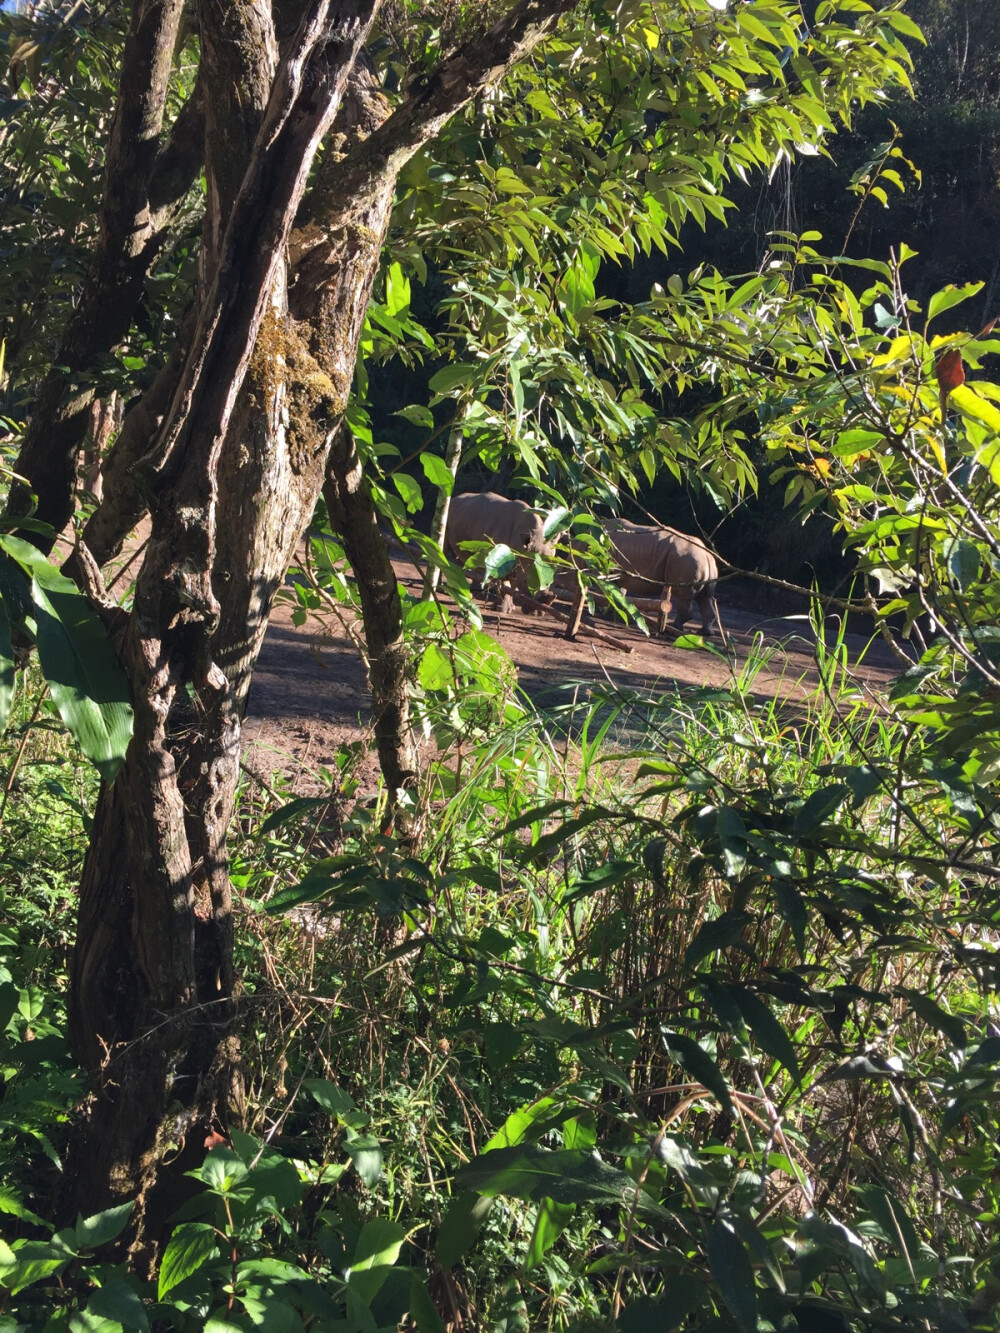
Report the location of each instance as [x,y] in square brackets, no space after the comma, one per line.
[711,622]
[666,606]
[681,598]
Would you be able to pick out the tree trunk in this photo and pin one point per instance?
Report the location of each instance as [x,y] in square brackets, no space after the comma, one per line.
[353,515]
[439,523]
[153,983]
[229,450]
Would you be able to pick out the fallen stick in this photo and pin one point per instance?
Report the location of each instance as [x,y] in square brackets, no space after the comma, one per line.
[532,603]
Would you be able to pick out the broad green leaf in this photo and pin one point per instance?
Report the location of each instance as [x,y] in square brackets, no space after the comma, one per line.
[551,1221]
[852,442]
[422,1310]
[331,1096]
[683,1293]
[437,472]
[718,934]
[417,415]
[765,1028]
[378,1248]
[409,492]
[528,1122]
[31,1002]
[397,290]
[460,1226]
[931,1012]
[698,1063]
[189,1247]
[366,1154]
[85,680]
[733,837]
[85,1321]
[972,404]
[102,1227]
[792,910]
[500,561]
[566,1176]
[451,377]
[117,1299]
[731,1268]
[435,670]
[963,563]
[951,296]
[819,807]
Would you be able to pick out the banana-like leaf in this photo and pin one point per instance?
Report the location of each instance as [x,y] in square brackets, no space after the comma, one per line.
[85,680]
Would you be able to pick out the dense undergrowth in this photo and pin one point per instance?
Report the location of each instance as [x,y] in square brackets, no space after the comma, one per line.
[679,1015]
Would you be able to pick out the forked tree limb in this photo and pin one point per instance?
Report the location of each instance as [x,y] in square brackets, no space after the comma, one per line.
[475,65]
[132,229]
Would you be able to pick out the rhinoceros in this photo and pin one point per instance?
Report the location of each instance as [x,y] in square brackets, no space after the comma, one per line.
[669,564]
[490,517]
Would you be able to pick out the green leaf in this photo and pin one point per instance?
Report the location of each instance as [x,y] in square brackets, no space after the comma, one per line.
[397,290]
[951,296]
[378,1248]
[500,561]
[528,1122]
[733,837]
[682,1294]
[85,680]
[451,377]
[84,1321]
[793,911]
[851,442]
[819,807]
[102,1227]
[932,1013]
[551,1221]
[566,1176]
[330,1096]
[417,415]
[31,1003]
[366,1154]
[117,1299]
[733,1273]
[768,1032]
[437,472]
[715,935]
[435,670]
[460,1226]
[422,1310]
[963,563]
[698,1063]
[190,1246]
[409,492]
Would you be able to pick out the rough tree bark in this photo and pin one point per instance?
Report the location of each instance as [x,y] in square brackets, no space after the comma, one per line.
[228,450]
[145,182]
[353,515]
[153,979]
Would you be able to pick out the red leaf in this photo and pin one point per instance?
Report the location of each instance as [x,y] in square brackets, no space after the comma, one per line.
[950,371]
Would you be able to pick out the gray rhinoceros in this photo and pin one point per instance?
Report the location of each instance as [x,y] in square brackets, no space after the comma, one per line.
[671,565]
[489,517]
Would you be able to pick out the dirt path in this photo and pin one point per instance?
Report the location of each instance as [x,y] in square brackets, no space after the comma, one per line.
[309,695]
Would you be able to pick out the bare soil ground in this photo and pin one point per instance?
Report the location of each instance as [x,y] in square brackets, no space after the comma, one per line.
[310,696]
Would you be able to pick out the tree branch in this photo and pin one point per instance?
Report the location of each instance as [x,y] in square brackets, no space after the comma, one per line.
[475,65]
[130,235]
